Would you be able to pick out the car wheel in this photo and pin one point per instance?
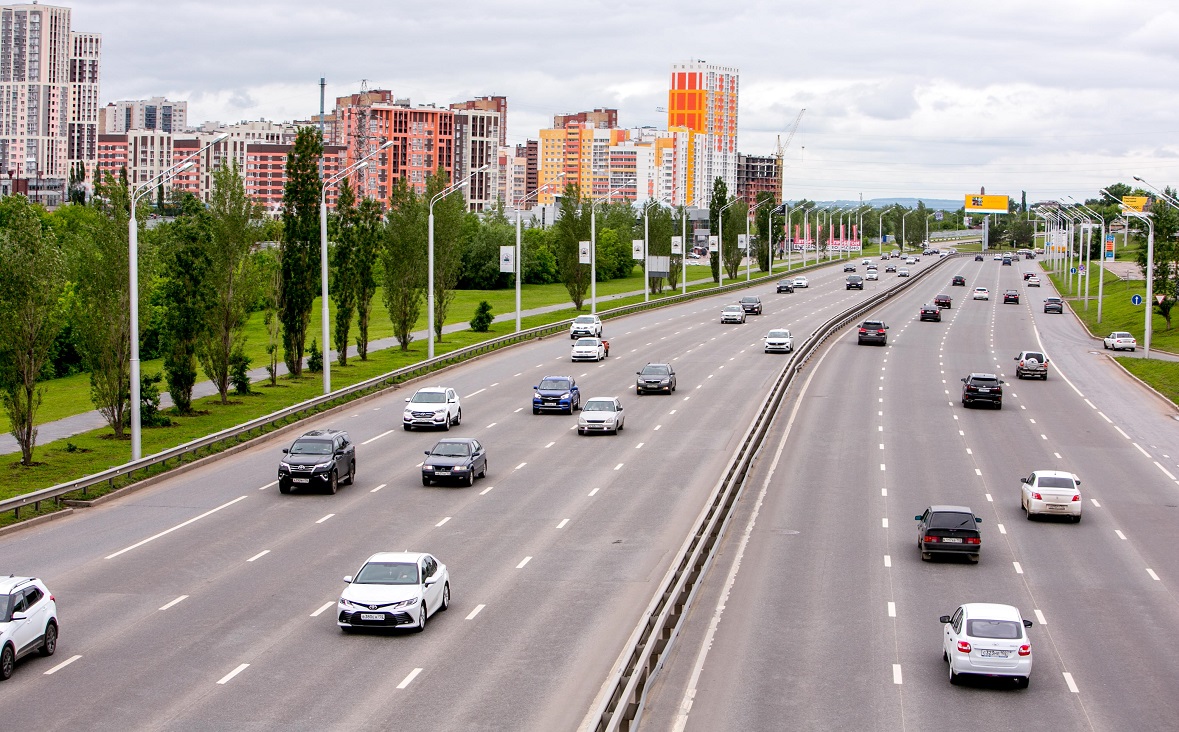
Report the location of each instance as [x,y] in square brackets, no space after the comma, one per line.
[1104,345]
[351,474]
[580,431]
[1023,682]
[925,556]
[483,473]
[333,482]
[1027,510]
[407,427]
[458,418]
[973,558]
[965,403]
[1018,374]
[998,405]
[425,480]
[471,477]
[422,617]
[446,426]
[955,679]
[283,489]
[49,647]
[445,597]
[1076,519]
[1131,350]
[535,410]
[7,662]
[945,656]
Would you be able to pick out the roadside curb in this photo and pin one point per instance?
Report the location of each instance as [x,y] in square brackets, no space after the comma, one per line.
[36,520]
[1148,387]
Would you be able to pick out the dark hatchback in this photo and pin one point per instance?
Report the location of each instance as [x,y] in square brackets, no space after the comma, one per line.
[931,312]
[1011,296]
[949,530]
[958,281]
[986,388]
[460,459]
[319,459]
[873,331]
[785,286]
[1054,305]
[655,377]
[942,301]
[556,393]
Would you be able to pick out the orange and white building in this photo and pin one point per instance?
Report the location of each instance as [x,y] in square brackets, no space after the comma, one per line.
[703,99]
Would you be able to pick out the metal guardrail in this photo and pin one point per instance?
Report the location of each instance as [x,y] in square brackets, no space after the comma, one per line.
[260,425]
[620,705]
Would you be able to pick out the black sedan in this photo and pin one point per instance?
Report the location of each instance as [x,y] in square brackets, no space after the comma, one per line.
[958,281]
[785,286]
[1011,296]
[931,312]
[458,458]
[948,530]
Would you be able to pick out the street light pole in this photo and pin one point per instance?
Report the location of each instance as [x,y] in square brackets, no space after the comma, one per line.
[519,266]
[1149,267]
[748,246]
[647,246]
[594,248]
[720,254]
[430,256]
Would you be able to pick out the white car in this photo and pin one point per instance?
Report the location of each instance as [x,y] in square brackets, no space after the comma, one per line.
[911,260]
[801,282]
[997,258]
[903,272]
[601,414]
[779,340]
[394,590]
[866,261]
[733,314]
[981,293]
[987,639]
[585,325]
[1033,281]
[28,621]
[432,406]
[1051,493]
[1118,340]
[588,349]
[872,275]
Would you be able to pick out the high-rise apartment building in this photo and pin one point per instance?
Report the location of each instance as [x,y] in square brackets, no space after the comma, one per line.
[703,98]
[156,113]
[489,104]
[758,174]
[85,75]
[530,150]
[580,151]
[476,155]
[607,118]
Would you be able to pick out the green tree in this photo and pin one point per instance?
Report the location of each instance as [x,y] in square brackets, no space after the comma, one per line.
[188,294]
[300,245]
[677,229]
[734,226]
[343,273]
[538,261]
[404,261]
[369,235]
[659,233]
[571,228]
[480,269]
[720,197]
[32,267]
[449,215]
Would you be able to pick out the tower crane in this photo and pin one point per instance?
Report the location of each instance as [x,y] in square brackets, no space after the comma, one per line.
[780,154]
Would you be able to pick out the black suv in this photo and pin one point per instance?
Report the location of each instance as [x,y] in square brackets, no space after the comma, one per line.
[931,312]
[948,530]
[855,282]
[873,331]
[982,388]
[320,459]
[655,377]
[751,304]
[978,257]
[785,286]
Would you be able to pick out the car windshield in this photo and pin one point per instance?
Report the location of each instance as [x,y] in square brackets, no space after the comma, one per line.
[554,384]
[388,573]
[428,397]
[656,371]
[598,406]
[1011,292]
[584,319]
[980,381]
[311,447]
[1031,355]
[587,342]
[1052,481]
[749,299]
[732,308]
[951,520]
[1121,335]
[779,334]
[451,449]
[1002,629]
[1053,299]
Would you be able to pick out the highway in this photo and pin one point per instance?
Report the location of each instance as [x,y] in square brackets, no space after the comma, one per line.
[207,601]
[819,613]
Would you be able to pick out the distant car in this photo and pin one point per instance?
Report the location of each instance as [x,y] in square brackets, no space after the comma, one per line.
[987,639]
[585,325]
[1007,260]
[801,282]
[849,267]
[978,257]
[948,530]
[779,340]
[855,282]
[873,331]
[785,286]
[872,276]
[867,262]
[394,590]
[601,414]
[958,281]
[432,406]
[981,293]
[997,258]
[1054,305]
[1119,340]
[911,260]
[28,621]
[978,387]
[903,272]
[751,304]
[732,314]
[1011,296]
[1051,493]
[655,377]
[1028,275]
[942,301]
[931,312]
[1031,365]
[1033,281]
[559,393]
[588,349]
[318,459]
[455,458]
[890,268]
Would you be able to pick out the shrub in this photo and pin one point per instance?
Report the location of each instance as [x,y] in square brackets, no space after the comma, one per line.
[314,358]
[481,323]
[239,371]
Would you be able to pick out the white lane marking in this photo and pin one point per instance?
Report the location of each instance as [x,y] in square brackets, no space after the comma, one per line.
[409,679]
[892,609]
[491,425]
[887,560]
[474,393]
[1120,534]
[672,412]
[593,493]
[519,409]
[1090,403]
[562,524]
[177,526]
[1043,437]
[374,439]
[322,608]
[269,485]
[1144,452]
[325,518]
[1040,617]
[1153,576]
[521,564]
[519,466]
[884,491]
[880,428]
[1058,457]
[977,471]
[1094,502]
[259,555]
[225,679]
[1107,419]
[177,601]
[657,427]
[884,523]
[1032,420]
[1018,569]
[443,521]
[961,433]
[476,611]
[1002,529]
[1072,685]
[1119,429]
[495,384]
[382,485]
[486,490]
[517,374]
[549,445]
[989,499]
[969,451]
[1168,472]
[881,445]
[896,673]
[62,665]
[618,466]
[882,466]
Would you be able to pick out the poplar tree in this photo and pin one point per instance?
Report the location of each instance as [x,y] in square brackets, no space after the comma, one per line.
[571,228]
[343,283]
[369,237]
[404,261]
[300,245]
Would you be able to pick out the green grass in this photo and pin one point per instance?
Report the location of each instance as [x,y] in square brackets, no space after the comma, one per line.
[1162,375]
[1117,312]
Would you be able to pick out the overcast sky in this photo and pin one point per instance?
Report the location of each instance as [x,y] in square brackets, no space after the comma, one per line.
[909,98]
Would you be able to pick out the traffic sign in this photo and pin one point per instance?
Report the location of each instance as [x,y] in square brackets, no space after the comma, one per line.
[1160,298]
[1109,255]
[1136,300]
[1081,269]
[1072,270]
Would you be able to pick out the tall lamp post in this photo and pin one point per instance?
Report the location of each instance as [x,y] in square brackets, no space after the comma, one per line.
[1149,268]
[133,265]
[748,247]
[720,254]
[430,255]
[323,259]
[880,232]
[647,245]
[594,247]
[519,266]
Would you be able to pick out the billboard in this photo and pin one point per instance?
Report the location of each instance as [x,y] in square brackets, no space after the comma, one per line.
[636,249]
[742,242]
[1136,203]
[583,252]
[507,259]
[986,204]
[677,245]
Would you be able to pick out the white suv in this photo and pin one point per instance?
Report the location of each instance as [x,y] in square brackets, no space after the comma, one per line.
[432,406]
[585,326]
[28,621]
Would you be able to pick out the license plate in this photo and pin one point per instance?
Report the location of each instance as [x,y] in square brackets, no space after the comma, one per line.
[1055,507]
[441,472]
[372,616]
[550,401]
[300,480]
[993,654]
[984,391]
[951,540]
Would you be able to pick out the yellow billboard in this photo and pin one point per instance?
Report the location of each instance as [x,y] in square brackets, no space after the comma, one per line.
[1135,203]
[978,203]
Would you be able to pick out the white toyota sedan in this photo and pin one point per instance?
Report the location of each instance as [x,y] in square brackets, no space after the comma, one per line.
[601,414]
[1051,493]
[394,590]
[779,340]
[982,293]
[588,349]
[1120,339]
[987,639]
[801,282]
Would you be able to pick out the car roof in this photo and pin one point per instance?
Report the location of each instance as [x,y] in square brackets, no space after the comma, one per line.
[323,433]
[566,378]
[11,582]
[432,389]
[991,611]
[1054,474]
[751,297]
[395,557]
[946,508]
[731,306]
[657,363]
[463,440]
[602,399]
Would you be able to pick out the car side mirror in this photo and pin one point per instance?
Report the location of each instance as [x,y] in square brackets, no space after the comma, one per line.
[429,581]
[638,373]
[944,619]
[1027,623]
[285,450]
[338,453]
[348,579]
[1077,481]
[1015,359]
[977,520]
[407,399]
[426,451]
[19,616]
[1023,480]
[536,387]
[963,379]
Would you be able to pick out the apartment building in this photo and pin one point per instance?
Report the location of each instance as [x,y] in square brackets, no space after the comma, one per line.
[607,118]
[489,104]
[85,104]
[580,151]
[144,154]
[703,98]
[476,156]
[156,113]
[266,177]
[758,174]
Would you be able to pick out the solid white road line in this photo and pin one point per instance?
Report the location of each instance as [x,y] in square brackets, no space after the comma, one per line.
[443,521]
[374,439]
[562,524]
[892,609]
[1153,576]
[1120,534]
[1072,685]
[259,555]
[382,485]
[322,607]
[1018,569]
[475,612]
[225,679]
[177,601]
[177,526]
[325,518]
[896,673]
[522,563]
[486,490]
[409,679]
[62,665]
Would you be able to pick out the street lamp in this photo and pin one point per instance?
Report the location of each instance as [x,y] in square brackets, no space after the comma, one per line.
[594,247]
[647,245]
[748,247]
[1149,267]
[720,255]
[519,265]
[1100,261]
[323,260]
[133,265]
[430,254]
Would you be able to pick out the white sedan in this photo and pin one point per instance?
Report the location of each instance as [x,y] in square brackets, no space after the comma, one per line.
[601,414]
[393,590]
[987,639]
[801,282]
[1051,493]
[588,349]
[872,275]
[982,293]
[779,340]
[1033,281]
[1118,340]
[903,272]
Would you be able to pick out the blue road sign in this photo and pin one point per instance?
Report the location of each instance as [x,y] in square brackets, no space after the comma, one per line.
[1137,299]
[1072,270]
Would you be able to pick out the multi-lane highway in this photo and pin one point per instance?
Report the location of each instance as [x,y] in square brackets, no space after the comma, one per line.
[208,600]
[820,614]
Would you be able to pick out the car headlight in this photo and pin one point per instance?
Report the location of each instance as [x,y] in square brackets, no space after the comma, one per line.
[349,604]
[566,395]
[284,468]
[461,468]
[404,603]
[428,468]
[324,466]
[439,412]
[537,395]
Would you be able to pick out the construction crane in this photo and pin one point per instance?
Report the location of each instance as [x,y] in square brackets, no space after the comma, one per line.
[781,154]
[362,140]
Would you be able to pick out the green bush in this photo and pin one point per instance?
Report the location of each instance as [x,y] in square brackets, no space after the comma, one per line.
[481,323]
[239,371]
[314,358]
